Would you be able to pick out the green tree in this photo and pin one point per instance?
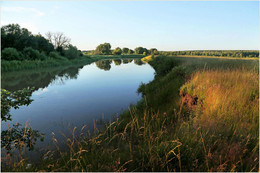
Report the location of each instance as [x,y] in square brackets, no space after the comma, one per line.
[42,44]
[56,55]
[130,51]
[10,54]
[72,52]
[153,51]
[125,50]
[13,35]
[19,38]
[146,51]
[139,50]
[117,51]
[31,54]
[103,49]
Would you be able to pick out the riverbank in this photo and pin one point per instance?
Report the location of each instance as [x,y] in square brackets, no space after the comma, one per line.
[7,66]
[224,57]
[196,115]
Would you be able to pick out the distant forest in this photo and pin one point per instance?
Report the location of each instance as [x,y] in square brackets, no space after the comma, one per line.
[220,53]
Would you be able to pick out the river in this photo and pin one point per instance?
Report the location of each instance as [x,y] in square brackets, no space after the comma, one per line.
[68,97]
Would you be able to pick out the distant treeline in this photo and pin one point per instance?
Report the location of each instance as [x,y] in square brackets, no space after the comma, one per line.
[20,44]
[105,49]
[219,53]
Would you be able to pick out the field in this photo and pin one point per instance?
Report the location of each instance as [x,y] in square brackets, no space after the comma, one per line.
[198,114]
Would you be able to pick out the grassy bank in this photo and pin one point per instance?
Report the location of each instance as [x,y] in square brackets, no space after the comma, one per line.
[7,66]
[198,114]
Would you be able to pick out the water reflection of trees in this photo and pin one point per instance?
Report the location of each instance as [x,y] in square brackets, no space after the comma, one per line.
[104,64]
[117,61]
[17,137]
[138,62]
[126,61]
[41,78]
[38,78]
[18,94]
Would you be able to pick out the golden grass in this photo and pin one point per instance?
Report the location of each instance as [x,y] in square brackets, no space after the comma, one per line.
[226,96]
[227,112]
[148,58]
[221,57]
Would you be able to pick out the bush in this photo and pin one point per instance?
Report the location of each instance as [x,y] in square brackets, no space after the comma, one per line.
[56,55]
[31,54]
[43,56]
[10,54]
[163,65]
[72,52]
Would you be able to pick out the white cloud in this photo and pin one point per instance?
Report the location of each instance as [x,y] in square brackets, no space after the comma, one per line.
[22,9]
[41,91]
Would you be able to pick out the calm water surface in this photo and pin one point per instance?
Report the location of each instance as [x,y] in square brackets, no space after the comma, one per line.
[76,96]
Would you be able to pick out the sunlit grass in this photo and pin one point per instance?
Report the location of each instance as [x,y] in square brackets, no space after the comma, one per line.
[227,113]
[148,58]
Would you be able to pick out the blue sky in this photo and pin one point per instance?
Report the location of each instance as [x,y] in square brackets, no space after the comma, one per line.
[165,25]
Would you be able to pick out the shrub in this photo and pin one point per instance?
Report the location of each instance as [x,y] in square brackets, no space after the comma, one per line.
[163,64]
[56,55]
[10,54]
[31,54]
[43,56]
[72,52]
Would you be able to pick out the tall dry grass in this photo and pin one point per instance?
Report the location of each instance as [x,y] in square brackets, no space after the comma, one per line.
[227,112]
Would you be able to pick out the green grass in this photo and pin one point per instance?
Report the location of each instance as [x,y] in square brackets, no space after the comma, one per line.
[166,132]
[7,66]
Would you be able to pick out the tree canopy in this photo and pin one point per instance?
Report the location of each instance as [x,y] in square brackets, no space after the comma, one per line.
[14,36]
[141,50]
[125,50]
[20,44]
[153,51]
[103,49]
[117,51]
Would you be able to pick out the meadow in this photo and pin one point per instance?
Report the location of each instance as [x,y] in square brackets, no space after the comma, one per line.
[198,114]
